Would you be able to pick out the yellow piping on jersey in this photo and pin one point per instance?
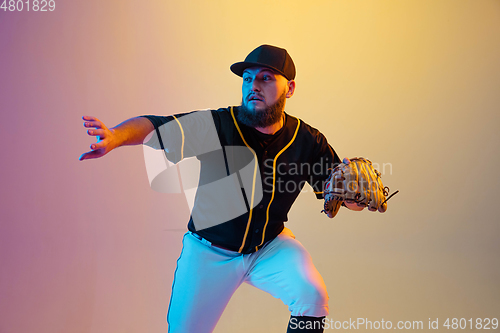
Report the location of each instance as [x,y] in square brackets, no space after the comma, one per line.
[253,185]
[274,179]
[182,133]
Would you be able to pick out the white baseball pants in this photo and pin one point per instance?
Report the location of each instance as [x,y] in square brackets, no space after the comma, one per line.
[206,277]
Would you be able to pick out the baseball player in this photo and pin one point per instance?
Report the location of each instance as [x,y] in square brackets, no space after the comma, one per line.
[253,246]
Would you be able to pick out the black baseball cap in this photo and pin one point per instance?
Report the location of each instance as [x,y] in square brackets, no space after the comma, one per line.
[267,56]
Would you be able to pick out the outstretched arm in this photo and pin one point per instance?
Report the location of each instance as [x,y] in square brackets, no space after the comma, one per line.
[132,131]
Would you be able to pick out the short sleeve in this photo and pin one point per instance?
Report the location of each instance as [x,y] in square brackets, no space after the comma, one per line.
[184,135]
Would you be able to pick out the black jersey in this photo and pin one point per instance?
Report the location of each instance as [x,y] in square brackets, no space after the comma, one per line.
[296,154]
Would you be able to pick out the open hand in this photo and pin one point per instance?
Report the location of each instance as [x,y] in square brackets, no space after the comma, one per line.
[106,138]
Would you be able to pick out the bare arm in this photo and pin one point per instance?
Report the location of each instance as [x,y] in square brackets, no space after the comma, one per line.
[130,132]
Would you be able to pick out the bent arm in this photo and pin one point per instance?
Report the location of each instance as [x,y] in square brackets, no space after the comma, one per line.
[132,131]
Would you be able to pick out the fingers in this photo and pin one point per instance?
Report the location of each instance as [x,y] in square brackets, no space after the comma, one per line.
[376,199]
[364,183]
[378,193]
[98,145]
[96,124]
[93,122]
[97,132]
[383,207]
[98,150]
[100,131]
[351,182]
[363,186]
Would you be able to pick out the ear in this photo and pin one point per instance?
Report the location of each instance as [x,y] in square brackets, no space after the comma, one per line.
[291,88]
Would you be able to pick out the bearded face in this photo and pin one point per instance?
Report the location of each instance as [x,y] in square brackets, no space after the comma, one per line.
[254,116]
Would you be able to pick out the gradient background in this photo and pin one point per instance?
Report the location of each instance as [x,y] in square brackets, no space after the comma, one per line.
[89,247]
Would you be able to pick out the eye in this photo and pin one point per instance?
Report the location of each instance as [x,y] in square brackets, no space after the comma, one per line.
[266,78]
[246,78]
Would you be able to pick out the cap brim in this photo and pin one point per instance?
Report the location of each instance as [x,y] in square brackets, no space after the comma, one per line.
[239,67]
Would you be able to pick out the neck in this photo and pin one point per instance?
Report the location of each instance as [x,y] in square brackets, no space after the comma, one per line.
[271,129]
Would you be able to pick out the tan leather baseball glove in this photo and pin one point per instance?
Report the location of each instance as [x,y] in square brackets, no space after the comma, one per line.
[355,184]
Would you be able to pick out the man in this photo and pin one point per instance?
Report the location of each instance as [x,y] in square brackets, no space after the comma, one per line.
[254,246]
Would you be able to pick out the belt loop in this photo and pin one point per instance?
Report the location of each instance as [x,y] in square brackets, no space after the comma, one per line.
[203,240]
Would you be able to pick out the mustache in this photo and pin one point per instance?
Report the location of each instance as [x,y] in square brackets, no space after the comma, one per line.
[252,95]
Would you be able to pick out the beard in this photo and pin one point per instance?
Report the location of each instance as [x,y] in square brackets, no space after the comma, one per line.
[262,118]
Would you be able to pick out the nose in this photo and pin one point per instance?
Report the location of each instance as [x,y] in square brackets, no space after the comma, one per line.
[255,85]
